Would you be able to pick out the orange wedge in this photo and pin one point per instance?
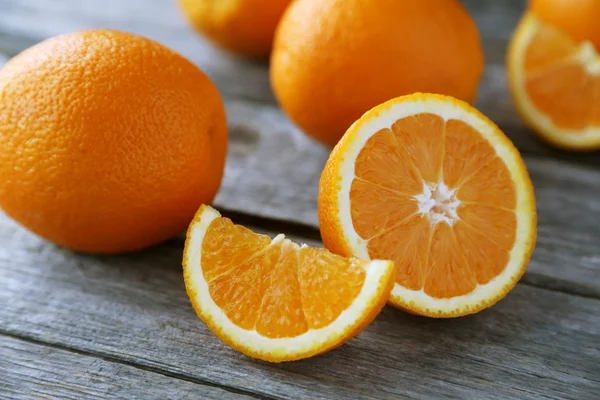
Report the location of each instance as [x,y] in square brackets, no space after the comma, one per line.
[273,299]
[555,84]
[429,182]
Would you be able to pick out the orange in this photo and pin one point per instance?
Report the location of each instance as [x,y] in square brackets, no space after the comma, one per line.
[429,182]
[555,83]
[273,299]
[246,27]
[109,142]
[575,18]
[333,60]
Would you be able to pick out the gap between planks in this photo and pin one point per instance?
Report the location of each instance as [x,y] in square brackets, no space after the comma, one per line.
[152,367]
[122,361]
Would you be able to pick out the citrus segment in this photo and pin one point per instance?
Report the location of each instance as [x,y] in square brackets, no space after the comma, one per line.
[239,293]
[465,153]
[485,258]
[448,274]
[408,241]
[422,137]
[273,299]
[221,256]
[369,216]
[400,175]
[566,94]
[491,184]
[329,284]
[497,224]
[552,48]
[282,313]
[555,84]
[460,241]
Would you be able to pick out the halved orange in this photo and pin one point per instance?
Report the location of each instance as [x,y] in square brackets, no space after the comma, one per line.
[273,299]
[429,182]
[555,84]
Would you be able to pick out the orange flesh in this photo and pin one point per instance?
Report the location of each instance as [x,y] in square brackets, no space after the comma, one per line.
[558,84]
[464,239]
[277,288]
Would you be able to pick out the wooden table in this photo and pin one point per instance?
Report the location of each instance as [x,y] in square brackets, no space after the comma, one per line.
[77,326]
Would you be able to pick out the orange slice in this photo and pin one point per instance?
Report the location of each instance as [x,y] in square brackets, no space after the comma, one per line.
[430,183]
[273,299]
[555,84]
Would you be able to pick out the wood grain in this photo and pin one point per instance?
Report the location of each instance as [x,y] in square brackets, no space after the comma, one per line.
[535,343]
[36,371]
[495,20]
[163,21]
[24,23]
[121,327]
[273,171]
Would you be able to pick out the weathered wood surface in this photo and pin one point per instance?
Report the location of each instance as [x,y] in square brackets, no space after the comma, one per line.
[535,343]
[131,313]
[37,371]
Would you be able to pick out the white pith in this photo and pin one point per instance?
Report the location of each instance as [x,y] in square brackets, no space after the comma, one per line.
[589,58]
[439,202]
[376,273]
[586,56]
[384,117]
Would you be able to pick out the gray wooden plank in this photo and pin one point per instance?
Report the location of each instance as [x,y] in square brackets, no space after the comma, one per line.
[273,171]
[162,20]
[512,344]
[494,19]
[533,344]
[24,23]
[37,371]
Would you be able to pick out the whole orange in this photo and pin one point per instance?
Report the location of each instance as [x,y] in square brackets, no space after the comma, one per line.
[246,27]
[109,141]
[579,19]
[333,60]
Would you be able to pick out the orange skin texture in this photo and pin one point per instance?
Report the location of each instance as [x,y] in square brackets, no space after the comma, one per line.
[109,142]
[246,27]
[577,18]
[333,60]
